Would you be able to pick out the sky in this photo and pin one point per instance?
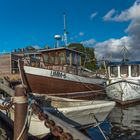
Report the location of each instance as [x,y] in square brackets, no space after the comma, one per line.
[105,25]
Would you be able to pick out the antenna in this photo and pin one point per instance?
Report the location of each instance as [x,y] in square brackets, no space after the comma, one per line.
[125,55]
[57,38]
[65,30]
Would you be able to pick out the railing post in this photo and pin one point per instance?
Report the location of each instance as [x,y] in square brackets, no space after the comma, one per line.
[20,114]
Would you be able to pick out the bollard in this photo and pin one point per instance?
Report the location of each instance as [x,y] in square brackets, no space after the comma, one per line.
[21,105]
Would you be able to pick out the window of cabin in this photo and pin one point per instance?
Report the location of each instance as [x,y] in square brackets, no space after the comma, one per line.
[62,58]
[35,62]
[75,58]
[134,70]
[139,70]
[79,60]
[51,58]
[56,58]
[68,57]
[124,70]
[46,58]
[114,71]
[15,67]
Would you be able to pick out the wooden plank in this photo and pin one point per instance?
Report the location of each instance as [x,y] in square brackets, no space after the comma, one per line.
[7,89]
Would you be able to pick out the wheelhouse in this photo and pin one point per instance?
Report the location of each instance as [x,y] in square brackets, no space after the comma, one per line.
[62,56]
[124,69]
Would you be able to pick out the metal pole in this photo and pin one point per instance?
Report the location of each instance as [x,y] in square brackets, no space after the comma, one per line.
[20,131]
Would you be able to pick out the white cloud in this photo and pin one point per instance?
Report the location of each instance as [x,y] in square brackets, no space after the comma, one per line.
[131,13]
[112,47]
[81,33]
[109,15]
[93,15]
[36,47]
[89,42]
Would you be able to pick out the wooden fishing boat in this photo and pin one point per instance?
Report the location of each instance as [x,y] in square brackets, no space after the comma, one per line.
[59,72]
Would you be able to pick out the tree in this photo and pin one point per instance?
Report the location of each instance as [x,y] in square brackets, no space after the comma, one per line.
[89,59]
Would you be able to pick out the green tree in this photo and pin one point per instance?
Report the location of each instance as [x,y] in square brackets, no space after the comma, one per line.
[89,59]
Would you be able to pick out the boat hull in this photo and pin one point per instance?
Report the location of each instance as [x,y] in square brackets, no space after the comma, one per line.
[75,112]
[95,112]
[56,83]
[124,92]
[37,127]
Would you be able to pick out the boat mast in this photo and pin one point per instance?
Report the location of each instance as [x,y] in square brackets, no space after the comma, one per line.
[125,58]
[65,31]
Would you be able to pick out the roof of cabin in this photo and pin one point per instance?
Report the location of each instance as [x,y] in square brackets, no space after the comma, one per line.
[60,48]
[123,63]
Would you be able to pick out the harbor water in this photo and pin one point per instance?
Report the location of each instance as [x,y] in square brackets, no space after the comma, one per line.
[123,123]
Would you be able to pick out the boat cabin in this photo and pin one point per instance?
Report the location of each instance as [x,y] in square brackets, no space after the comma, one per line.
[62,56]
[63,59]
[127,69]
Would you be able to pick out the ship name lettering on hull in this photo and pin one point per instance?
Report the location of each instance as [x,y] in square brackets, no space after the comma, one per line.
[58,74]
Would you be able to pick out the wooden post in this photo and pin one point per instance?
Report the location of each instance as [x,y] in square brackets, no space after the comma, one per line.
[20,128]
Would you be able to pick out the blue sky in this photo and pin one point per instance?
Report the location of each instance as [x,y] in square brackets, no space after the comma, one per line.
[35,22]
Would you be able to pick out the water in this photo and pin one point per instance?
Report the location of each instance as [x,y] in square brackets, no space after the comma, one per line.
[123,123]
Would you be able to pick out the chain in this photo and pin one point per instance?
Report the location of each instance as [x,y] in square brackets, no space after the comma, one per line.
[6,106]
[55,129]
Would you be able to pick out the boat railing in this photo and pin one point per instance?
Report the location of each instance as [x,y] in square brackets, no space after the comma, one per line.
[77,70]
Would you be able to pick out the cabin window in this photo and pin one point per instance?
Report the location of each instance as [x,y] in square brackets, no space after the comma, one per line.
[74,58]
[15,67]
[62,58]
[46,58]
[124,71]
[134,70]
[34,62]
[56,58]
[51,59]
[114,71]
[68,57]
[79,60]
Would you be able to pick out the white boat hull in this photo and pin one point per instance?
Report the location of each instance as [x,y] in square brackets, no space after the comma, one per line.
[79,112]
[124,91]
[86,114]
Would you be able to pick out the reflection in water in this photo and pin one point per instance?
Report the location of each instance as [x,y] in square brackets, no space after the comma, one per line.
[125,122]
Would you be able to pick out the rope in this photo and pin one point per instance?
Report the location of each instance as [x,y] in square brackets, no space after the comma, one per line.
[89,87]
[98,125]
[134,88]
[20,100]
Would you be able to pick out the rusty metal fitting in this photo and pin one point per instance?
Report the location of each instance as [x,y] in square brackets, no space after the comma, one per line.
[67,136]
[6,107]
[51,124]
[46,123]
[54,132]
[36,109]
[42,116]
[57,131]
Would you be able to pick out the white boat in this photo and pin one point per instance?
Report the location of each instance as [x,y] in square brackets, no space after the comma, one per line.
[124,81]
[75,112]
